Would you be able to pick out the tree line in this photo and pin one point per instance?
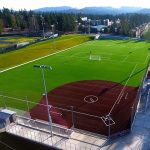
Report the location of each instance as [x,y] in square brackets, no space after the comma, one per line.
[65,22]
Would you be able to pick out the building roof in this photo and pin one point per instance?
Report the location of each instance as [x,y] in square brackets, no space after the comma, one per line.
[8,111]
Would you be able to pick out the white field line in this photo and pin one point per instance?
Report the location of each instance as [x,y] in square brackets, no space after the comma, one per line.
[107,59]
[119,97]
[84,57]
[108,45]
[131,62]
[101,46]
[146,59]
[31,102]
[41,58]
[125,58]
[134,49]
[110,54]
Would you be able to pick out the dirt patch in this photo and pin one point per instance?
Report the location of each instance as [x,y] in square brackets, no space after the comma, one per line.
[91,100]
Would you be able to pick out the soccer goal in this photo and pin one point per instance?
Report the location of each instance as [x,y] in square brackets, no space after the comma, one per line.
[97,36]
[95,57]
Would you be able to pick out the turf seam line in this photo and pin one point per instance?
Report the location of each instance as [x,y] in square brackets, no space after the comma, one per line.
[41,57]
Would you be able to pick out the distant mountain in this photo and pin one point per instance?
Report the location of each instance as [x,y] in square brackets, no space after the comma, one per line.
[94,10]
[129,9]
[144,11]
[56,9]
[98,10]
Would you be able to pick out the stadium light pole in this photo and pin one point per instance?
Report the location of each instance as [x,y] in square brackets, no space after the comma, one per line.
[42,67]
[76,26]
[42,19]
[33,19]
[53,30]
[89,23]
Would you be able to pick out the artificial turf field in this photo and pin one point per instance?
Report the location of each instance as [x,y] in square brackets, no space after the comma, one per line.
[119,59]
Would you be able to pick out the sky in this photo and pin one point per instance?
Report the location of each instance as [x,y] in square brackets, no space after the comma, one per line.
[34,4]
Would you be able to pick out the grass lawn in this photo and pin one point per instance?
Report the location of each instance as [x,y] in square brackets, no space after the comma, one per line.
[40,49]
[11,40]
[119,59]
[4,45]
[17,39]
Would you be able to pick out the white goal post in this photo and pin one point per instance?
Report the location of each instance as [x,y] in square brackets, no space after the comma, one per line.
[95,57]
[97,36]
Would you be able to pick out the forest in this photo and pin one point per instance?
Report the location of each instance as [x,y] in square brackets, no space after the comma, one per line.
[31,21]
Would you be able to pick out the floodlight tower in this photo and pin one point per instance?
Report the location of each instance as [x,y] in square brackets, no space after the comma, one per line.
[42,67]
[89,20]
[42,19]
[53,29]
[77,24]
[33,19]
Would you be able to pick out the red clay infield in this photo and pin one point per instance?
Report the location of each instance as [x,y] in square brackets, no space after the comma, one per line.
[89,97]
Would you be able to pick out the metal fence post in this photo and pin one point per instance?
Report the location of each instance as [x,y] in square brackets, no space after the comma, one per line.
[3,99]
[147,99]
[26,98]
[72,115]
[28,108]
[109,129]
[132,114]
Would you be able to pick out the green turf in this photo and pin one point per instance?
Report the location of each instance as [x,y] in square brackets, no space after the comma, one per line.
[118,59]
[37,50]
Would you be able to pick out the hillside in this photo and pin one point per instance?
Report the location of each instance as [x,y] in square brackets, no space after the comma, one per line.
[94,10]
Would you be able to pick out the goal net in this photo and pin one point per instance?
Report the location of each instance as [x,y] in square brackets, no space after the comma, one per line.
[97,36]
[95,57]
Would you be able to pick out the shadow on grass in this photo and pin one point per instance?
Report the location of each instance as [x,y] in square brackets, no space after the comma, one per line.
[139,41]
[121,82]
